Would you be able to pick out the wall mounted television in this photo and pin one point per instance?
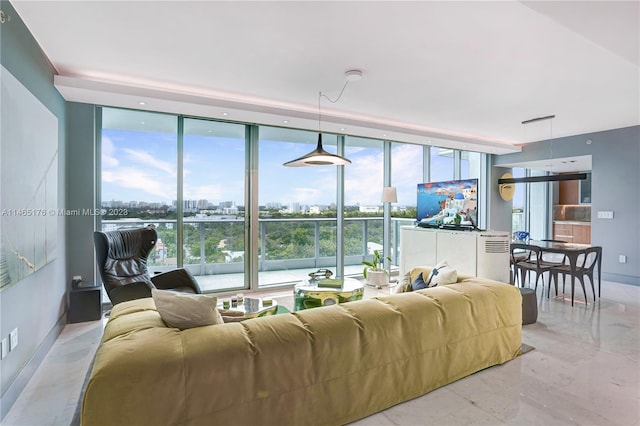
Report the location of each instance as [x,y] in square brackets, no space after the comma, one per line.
[439,202]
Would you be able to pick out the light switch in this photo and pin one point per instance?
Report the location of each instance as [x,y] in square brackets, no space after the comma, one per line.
[605,214]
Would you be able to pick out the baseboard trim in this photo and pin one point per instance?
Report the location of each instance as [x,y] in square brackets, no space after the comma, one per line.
[15,389]
[624,279]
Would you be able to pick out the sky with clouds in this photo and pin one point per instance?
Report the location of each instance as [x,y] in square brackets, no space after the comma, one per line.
[143,166]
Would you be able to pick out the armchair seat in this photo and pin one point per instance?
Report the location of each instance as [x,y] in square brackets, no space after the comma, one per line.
[122,261]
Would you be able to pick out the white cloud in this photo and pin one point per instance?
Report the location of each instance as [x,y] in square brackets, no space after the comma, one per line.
[305,195]
[364,179]
[133,178]
[149,160]
[108,159]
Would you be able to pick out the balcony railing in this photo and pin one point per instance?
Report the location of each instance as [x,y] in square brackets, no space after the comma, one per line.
[213,248]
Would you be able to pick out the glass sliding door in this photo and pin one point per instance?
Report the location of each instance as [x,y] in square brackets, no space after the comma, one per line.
[407,171]
[470,165]
[518,218]
[363,183]
[538,206]
[213,198]
[138,181]
[297,207]
[441,164]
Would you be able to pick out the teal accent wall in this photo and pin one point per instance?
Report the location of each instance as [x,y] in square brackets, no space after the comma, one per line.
[615,186]
[36,305]
[81,195]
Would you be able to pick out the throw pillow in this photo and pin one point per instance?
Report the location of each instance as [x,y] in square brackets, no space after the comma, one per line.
[185,310]
[418,283]
[442,274]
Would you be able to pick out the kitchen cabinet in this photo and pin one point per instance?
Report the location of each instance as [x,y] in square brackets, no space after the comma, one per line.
[572,232]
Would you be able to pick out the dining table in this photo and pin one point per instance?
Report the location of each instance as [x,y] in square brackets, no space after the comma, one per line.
[570,250]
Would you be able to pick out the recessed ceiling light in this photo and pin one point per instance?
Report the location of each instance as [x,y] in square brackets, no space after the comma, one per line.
[384,136]
[225,113]
[342,129]
[142,122]
[142,103]
[285,121]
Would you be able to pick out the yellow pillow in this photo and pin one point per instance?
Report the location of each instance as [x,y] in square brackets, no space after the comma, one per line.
[185,310]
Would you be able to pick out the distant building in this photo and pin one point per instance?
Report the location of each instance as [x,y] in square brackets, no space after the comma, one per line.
[273,206]
[370,209]
[293,208]
[230,210]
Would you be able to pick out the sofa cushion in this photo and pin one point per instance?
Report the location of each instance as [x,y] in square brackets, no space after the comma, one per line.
[184,310]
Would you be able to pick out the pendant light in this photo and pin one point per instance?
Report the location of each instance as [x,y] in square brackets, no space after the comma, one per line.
[507,180]
[320,157]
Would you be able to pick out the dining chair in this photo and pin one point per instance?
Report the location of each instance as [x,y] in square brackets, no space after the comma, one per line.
[532,263]
[517,255]
[551,258]
[585,267]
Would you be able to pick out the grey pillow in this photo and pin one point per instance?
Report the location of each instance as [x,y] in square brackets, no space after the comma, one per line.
[185,310]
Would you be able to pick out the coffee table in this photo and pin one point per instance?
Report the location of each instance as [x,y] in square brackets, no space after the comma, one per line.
[312,294]
[249,308]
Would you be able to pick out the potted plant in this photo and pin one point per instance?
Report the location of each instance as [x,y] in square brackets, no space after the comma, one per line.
[374,271]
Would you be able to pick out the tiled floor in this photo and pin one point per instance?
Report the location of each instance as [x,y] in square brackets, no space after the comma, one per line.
[585,370]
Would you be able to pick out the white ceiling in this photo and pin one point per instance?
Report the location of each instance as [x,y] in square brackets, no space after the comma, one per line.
[455,74]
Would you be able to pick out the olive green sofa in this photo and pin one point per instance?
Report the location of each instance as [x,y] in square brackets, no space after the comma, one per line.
[329,365]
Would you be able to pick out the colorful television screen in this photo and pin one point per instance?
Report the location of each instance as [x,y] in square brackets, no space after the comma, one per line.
[449,202]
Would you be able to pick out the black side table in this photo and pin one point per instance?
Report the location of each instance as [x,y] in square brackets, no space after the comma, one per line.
[85,304]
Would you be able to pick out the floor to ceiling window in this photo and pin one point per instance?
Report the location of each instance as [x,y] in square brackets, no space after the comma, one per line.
[538,206]
[213,198]
[227,209]
[470,164]
[363,183]
[138,177]
[441,164]
[518,218]
[407,171]
[297,206]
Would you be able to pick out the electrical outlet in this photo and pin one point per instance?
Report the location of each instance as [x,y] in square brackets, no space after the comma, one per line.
[5,347]
[13,339]
[622,258]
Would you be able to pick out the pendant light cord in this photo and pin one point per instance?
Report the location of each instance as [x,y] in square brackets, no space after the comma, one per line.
[320,95]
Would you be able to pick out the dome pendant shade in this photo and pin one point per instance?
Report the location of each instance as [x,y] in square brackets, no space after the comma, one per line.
[318,157]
